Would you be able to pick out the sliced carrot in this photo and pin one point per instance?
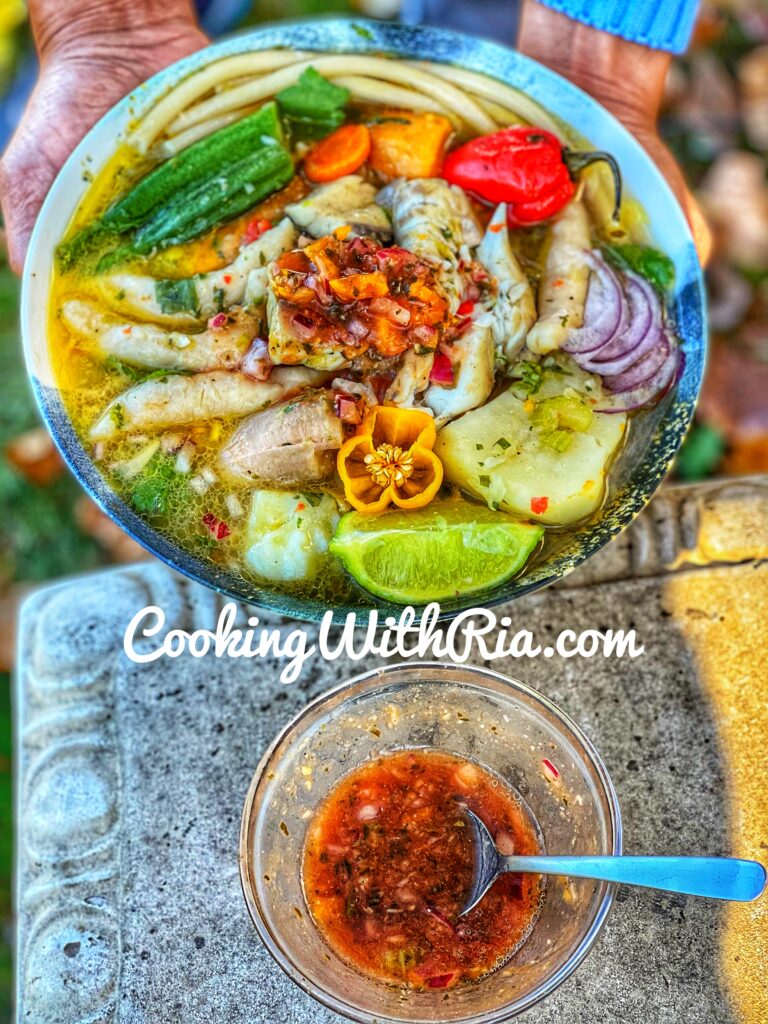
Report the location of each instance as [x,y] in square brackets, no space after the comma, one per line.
[341,152]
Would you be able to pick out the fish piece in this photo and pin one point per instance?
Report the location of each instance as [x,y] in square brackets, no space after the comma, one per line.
[175,400]
[346,202]
[145,344]
[435,221]
[288,346]
[514,308]
[474,358]
[563,287]
[411,379]
[192,299]
[289,444]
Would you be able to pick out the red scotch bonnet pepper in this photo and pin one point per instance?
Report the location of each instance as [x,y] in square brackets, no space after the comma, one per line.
[526,168]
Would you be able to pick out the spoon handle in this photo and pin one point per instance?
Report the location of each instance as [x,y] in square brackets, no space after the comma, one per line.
[720,878]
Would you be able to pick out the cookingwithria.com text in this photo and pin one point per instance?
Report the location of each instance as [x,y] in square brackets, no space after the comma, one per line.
[412,635]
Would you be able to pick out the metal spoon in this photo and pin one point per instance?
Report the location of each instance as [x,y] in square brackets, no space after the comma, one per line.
[721,878]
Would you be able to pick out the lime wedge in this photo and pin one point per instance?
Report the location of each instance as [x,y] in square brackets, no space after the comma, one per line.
[431,554]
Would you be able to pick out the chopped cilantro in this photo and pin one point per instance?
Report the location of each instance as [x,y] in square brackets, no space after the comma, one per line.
[313,98]
[117,415]
[502,443]
[151,495]
[653,265]
[531,376]
[177,296]
[312,499]
[485,481]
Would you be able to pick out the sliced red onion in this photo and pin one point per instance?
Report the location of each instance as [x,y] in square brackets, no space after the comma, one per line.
[391,309]
[643,369]
[642,334]
[347,409]
[256,362]
[304,326]
[424,334]
[357,329]
[354,387]
[650,390]
[605,312]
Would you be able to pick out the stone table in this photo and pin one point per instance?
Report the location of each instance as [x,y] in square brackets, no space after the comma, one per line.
[131,780]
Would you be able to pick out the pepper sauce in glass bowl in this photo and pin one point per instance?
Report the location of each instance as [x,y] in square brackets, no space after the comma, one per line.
[353,813]
[388,865]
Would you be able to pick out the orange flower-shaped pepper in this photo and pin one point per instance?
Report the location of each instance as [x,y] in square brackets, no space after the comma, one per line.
[390,460]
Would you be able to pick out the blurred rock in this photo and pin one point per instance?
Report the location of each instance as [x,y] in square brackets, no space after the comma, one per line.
[35,456]
[753,83]
[734,194]
[709,108]
[733,398]
[730,297]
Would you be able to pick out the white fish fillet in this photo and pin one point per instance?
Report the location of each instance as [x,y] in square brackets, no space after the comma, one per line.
[475,355]
[348,201]
[563,287]
[145,344]
[514,309]
[433,220]
[216,290]
[412,377]
[176,400]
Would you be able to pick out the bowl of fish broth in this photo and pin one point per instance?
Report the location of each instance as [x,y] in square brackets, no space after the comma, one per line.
[67,386]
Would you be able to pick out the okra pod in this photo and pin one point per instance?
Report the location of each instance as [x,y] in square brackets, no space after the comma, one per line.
[196,163]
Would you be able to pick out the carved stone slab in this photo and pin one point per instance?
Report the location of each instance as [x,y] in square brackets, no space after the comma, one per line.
[131,781]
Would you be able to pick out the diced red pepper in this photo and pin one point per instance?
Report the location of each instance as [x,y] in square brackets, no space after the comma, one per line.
[442,369]
[255,228]
[549,770]
[441,980]
[218,321]
[539,505]
[215,526]
[465,308]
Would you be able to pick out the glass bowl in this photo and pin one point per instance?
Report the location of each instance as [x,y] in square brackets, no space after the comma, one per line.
[497,722]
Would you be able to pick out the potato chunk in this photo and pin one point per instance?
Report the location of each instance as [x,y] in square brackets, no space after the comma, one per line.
[499,454]
[288,534]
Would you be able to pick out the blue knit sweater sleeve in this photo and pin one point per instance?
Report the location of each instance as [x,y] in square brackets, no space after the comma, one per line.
[660,24]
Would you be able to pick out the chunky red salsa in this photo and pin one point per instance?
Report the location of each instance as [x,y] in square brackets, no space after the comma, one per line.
[388,864]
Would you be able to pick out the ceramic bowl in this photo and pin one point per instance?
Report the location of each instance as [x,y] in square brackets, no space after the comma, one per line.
[655,437]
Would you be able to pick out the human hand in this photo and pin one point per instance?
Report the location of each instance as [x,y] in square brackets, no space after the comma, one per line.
[86,65]
[628,79]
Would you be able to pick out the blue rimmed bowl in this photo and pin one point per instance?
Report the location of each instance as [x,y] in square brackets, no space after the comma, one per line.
[655,437]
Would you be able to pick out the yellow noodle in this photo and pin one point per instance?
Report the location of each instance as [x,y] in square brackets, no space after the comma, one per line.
[373,90]
[170,146]
[201,82]
[498,92]
[501,115]
[377,67]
